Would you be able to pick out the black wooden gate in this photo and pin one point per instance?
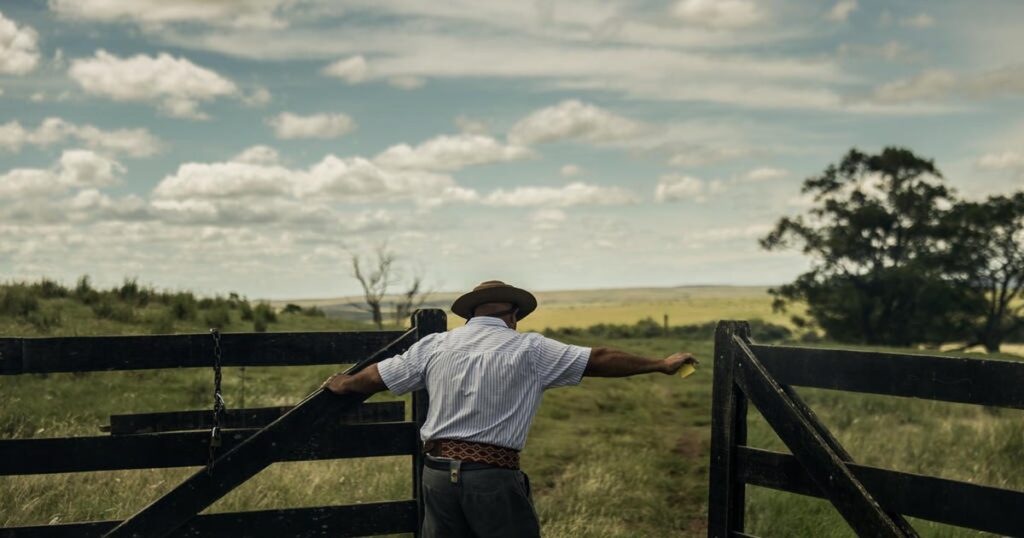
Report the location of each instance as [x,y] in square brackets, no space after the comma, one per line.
[321,427]
[873,501]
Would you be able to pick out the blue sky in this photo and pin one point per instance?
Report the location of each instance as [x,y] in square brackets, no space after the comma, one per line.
[253,146]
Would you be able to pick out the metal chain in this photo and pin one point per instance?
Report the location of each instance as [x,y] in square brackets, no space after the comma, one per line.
[218,401]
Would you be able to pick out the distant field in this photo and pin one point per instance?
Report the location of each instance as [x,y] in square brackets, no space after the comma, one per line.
[582,308]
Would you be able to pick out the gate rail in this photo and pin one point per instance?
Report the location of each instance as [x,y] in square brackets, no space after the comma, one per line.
[180,438]
[873,501]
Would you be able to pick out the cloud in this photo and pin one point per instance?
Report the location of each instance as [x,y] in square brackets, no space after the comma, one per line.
[76,169]
[570,170]
[891,51]
[765,173]
[255,174]
[573,120]
[257,98]
[131,142]
[701,155]
[471,125]
[728,14]
[19,48]
[841,10]
[264,155]
[677,188]
[921,20]
[289,126]
[155,13]
[450,153]
[176,85]
[573,194]
[547,219]
[406,82]
[938,84]
[1007,160]
[352,70]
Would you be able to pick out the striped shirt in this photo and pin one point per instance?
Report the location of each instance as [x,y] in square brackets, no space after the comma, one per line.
[484,379]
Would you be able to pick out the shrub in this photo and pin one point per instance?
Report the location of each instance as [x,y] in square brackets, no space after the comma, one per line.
[18,300]
[162,324]
[292,308]
[246,309]
[84,291]
[50,289]
[217,318]
[44,319]
[265,312]
[131,292]
[259,326]
[314,312]
[108,308]
[183,306]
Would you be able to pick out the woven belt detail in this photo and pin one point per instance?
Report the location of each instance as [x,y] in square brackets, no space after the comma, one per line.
[498,456]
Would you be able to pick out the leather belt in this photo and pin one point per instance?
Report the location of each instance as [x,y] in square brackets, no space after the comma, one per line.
[470,451]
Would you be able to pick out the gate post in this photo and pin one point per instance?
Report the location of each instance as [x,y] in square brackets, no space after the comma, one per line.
[426,321]
[726,495]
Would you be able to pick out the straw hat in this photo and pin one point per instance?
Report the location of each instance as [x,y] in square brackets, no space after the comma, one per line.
[495,291]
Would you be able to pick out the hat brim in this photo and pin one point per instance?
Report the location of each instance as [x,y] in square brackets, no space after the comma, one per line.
[524,300]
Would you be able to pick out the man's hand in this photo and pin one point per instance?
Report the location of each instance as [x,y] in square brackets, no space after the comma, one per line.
[337,383]
[672,364]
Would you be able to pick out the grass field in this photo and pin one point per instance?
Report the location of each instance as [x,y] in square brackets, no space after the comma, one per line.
[611,458]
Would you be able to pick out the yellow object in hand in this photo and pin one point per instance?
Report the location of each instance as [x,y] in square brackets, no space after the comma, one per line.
[687,370]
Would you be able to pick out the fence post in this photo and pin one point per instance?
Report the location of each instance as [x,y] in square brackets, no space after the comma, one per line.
[426,321]
[726,495]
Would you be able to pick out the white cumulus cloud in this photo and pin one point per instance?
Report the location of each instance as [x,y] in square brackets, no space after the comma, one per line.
[573,194]
[841,10]
[1006,160]
[573,120]
[176,85]
[19,48]
[450,153]
[288,125]
[131,142]
[765,173]
[676,187]
[352,70]
[718,13]
[76,169]
[570,170]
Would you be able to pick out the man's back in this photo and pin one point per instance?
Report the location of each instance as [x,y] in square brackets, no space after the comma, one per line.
[485,380]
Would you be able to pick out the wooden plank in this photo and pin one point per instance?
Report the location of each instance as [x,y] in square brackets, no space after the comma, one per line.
[186,449]
[334,521]
[96,353]
[833,443]
[825,467]
[257,417]
[726,494]
[427,322]
[984,508]
[235,466]
[964,380]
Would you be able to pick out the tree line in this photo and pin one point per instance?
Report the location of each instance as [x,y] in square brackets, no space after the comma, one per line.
[899,258]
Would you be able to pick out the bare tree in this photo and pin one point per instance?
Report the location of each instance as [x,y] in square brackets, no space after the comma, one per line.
[375,281]
[409,300]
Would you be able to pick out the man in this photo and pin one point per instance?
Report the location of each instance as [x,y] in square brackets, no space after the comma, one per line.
[485,382]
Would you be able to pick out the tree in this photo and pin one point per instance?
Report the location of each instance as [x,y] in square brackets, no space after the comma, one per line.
[987,259]
[874,237]
[375,281]
[409,300]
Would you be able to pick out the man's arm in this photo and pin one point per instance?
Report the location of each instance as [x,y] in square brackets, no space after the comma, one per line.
[367,381]
[607,362]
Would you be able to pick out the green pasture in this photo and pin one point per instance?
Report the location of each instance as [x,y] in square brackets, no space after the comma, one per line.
[611,458]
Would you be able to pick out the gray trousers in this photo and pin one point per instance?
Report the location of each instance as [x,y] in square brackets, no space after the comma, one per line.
[484,503]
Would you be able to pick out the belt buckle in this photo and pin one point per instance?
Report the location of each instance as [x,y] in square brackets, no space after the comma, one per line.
[454,467]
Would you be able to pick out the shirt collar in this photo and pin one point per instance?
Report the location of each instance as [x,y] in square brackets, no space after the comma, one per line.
[487,320]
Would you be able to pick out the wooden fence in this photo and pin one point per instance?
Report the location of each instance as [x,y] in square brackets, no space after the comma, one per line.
[352,429]
[873,501]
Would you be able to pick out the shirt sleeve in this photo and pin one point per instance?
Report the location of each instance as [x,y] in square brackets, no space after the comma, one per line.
[558,364]
[407,372]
